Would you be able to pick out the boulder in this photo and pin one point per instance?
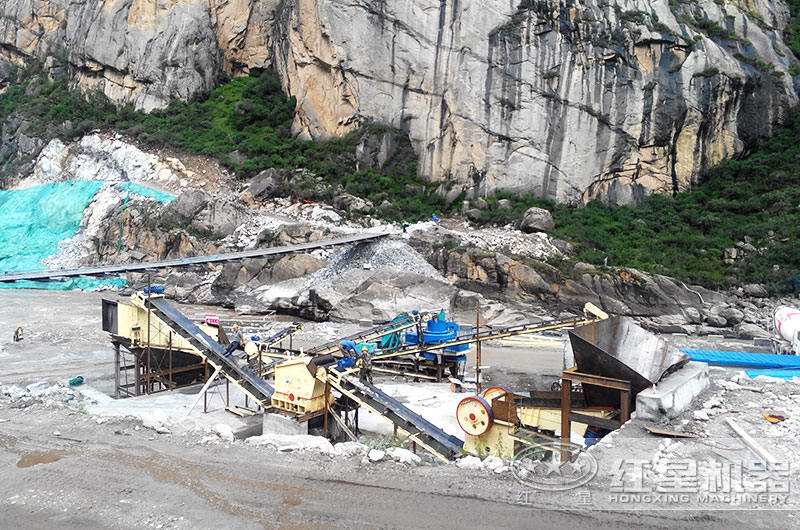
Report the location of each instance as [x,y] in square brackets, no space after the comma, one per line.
[755,290]
[521,276]
[451,195]
[218,219]
[693,315]
[669,324]
[751,331]
[584,268]
[386,291]
[504,204]
[716,321]
[290,234]
[184,208]
[351,203]
[265,183]
[481,203]
[474,214]
[537,220]
[732,315]
[294,266]
[703,331]
[565,247]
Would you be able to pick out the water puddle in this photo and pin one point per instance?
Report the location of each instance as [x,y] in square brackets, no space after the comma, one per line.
[46,457]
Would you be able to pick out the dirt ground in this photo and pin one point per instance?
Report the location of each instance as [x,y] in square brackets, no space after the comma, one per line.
[65,467]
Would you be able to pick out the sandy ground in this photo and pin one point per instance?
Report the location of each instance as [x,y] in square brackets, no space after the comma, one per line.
[88,461]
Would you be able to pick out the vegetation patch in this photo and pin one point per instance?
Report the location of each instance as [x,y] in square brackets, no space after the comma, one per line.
[246,124]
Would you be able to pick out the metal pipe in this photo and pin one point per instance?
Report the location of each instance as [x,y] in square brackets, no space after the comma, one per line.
[201,394]
[116,368]
[170,359]
[478,348]
[149,310]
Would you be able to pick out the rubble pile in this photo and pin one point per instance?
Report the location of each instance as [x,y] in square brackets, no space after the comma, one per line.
[41,392]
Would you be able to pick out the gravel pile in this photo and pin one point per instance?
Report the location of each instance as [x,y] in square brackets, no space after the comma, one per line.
[502,239]
[385,253]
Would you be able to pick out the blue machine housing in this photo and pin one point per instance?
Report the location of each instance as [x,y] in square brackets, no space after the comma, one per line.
[440,331]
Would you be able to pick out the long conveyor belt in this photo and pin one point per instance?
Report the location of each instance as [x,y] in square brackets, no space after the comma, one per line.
[247,380]
[369,334]
[489,334]
[103,271]
[263,346]
[429,436]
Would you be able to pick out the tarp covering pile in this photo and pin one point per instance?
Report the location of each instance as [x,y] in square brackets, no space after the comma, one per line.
[34,220]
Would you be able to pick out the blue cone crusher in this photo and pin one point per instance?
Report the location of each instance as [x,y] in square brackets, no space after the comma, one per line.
[438,331]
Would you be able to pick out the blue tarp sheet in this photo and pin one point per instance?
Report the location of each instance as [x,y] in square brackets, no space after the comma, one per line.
[782,374]
[734,358]
[34,220]
[144,191]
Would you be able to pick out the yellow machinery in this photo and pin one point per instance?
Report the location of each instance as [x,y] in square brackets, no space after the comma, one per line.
[495,424]
[297,388]
[156,357]
[132,321]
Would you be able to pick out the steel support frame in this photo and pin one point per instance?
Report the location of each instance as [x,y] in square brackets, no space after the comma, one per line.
[131,375]
[567,416]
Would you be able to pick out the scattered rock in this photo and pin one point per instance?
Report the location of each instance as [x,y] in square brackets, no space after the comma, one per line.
[376,455]
[350,449]
[469,462]
[493,462]
[404,456]
[293,442]
[223,431]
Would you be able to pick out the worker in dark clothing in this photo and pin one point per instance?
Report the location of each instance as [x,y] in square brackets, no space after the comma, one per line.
[18,334]
[237,341]
[364,364]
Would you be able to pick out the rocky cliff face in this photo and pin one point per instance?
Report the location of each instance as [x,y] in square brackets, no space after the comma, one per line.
[134,51]
[571,100]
